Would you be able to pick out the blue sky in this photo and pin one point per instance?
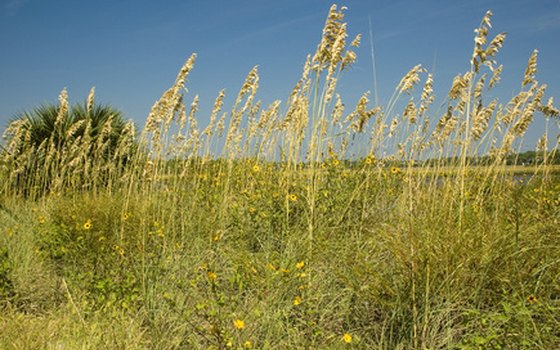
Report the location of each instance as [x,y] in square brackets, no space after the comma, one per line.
[131,50]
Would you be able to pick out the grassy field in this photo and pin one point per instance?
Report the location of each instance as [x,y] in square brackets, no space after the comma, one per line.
[528,170]
[255,233]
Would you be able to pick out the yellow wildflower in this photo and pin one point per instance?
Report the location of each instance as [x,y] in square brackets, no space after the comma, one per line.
[256,168]
[239,324]
[300,265]
[248,345]
[119,250]
[293,197]
[347,338]
[395,170]
[87,225]
[297,300]
[212,275]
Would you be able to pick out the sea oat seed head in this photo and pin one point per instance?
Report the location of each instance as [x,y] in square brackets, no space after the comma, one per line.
[531,69]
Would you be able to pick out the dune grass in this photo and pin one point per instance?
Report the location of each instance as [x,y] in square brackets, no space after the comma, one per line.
[297,225]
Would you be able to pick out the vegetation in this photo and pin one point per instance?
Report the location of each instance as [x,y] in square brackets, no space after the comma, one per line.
[263,231]
[54,146]
[527,158]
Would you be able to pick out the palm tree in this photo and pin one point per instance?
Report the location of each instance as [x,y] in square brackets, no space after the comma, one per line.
[68,144]
[40,124]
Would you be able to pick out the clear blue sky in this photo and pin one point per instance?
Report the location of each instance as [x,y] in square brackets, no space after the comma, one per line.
[131,50]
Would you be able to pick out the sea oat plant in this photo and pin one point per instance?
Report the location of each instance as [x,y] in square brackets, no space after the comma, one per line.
[301,224]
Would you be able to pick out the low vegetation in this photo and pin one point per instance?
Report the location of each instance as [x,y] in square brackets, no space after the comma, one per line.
[296,225]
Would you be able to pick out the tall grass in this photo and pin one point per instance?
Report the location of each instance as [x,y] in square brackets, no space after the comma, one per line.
[296,225]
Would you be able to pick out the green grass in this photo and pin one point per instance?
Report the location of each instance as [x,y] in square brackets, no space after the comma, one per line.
[273,221]
[528,170]
[388,273]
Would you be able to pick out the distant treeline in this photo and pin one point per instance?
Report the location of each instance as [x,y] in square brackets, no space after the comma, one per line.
[528,158]
[525,158]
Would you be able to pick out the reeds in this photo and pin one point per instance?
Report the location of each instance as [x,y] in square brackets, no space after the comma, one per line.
[405,219]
